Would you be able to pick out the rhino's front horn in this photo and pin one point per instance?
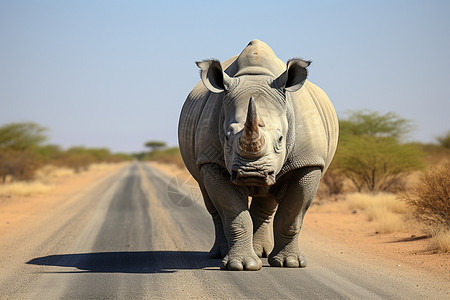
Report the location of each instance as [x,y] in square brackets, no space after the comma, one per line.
[252,140]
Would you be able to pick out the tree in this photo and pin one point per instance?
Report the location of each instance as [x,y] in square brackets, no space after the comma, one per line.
[155,145]
[77,158]
[18,150]
[444,140]
[370,153]
[21,136]
[49,153]
[369,123]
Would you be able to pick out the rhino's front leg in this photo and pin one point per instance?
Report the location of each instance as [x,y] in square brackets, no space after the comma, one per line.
[302,186]
[232,204]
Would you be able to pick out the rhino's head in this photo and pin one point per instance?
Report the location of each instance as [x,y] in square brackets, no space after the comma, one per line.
[254,122]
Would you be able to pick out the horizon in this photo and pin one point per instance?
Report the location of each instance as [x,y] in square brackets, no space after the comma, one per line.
[115,75]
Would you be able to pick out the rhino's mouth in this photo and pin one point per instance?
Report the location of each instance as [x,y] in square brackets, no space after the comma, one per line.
[252,177]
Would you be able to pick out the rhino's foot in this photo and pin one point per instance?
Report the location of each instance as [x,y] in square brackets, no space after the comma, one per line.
[262,247]
[240,263]
[262,242]
[289,258]
[261,251]
[218,250]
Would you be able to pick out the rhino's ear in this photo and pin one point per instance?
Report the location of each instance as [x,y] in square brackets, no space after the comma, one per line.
[294,77]
[213,76]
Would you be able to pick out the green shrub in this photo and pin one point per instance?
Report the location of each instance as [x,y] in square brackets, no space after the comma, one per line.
[444,140]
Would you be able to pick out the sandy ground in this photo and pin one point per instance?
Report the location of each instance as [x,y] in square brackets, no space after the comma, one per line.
[341,225]
[333,220]
[20,211]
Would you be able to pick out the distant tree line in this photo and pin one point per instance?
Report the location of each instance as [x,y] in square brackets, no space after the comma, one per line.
[22,152]
[159,151]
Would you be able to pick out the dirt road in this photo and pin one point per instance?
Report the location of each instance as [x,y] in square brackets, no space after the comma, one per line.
[126,238]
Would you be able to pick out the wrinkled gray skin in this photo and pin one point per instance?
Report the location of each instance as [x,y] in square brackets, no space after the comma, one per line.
[255,127]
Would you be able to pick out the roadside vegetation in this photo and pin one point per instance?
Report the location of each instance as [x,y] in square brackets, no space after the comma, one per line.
[158,151]
[430,202]
[27,163]
[396,184]
[372,154]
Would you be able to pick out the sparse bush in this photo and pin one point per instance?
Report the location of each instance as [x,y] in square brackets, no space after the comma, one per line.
[444,140]
[332,183]
[370,152]
[435,154]
[76,158]
[18,155]
[19,165]
[430,199]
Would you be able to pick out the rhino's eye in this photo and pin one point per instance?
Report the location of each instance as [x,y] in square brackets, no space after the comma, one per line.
[279,140]
[227,135]
[280,135]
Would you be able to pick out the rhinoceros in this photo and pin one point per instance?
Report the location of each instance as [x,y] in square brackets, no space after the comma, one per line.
[257,136]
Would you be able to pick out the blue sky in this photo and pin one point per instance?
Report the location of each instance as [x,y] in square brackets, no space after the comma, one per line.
[116,73]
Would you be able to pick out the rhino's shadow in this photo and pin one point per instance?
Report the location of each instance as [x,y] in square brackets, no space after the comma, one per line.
[129,262]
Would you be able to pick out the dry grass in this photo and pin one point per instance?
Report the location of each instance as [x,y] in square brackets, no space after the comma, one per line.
[46,178]
[440,240]
[367,201]
[102,166]
[24,188]
[50,172]
[384,210]
[386,221]
[44,181]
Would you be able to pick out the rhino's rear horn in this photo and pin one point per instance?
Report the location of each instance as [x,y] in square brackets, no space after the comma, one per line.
[252,140]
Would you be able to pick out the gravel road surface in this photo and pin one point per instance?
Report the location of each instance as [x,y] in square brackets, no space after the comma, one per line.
[140,233]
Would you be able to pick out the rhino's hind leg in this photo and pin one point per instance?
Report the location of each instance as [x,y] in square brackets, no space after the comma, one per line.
[220,247]
[261,210]
[231,203]
[302,187]
[241,255]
